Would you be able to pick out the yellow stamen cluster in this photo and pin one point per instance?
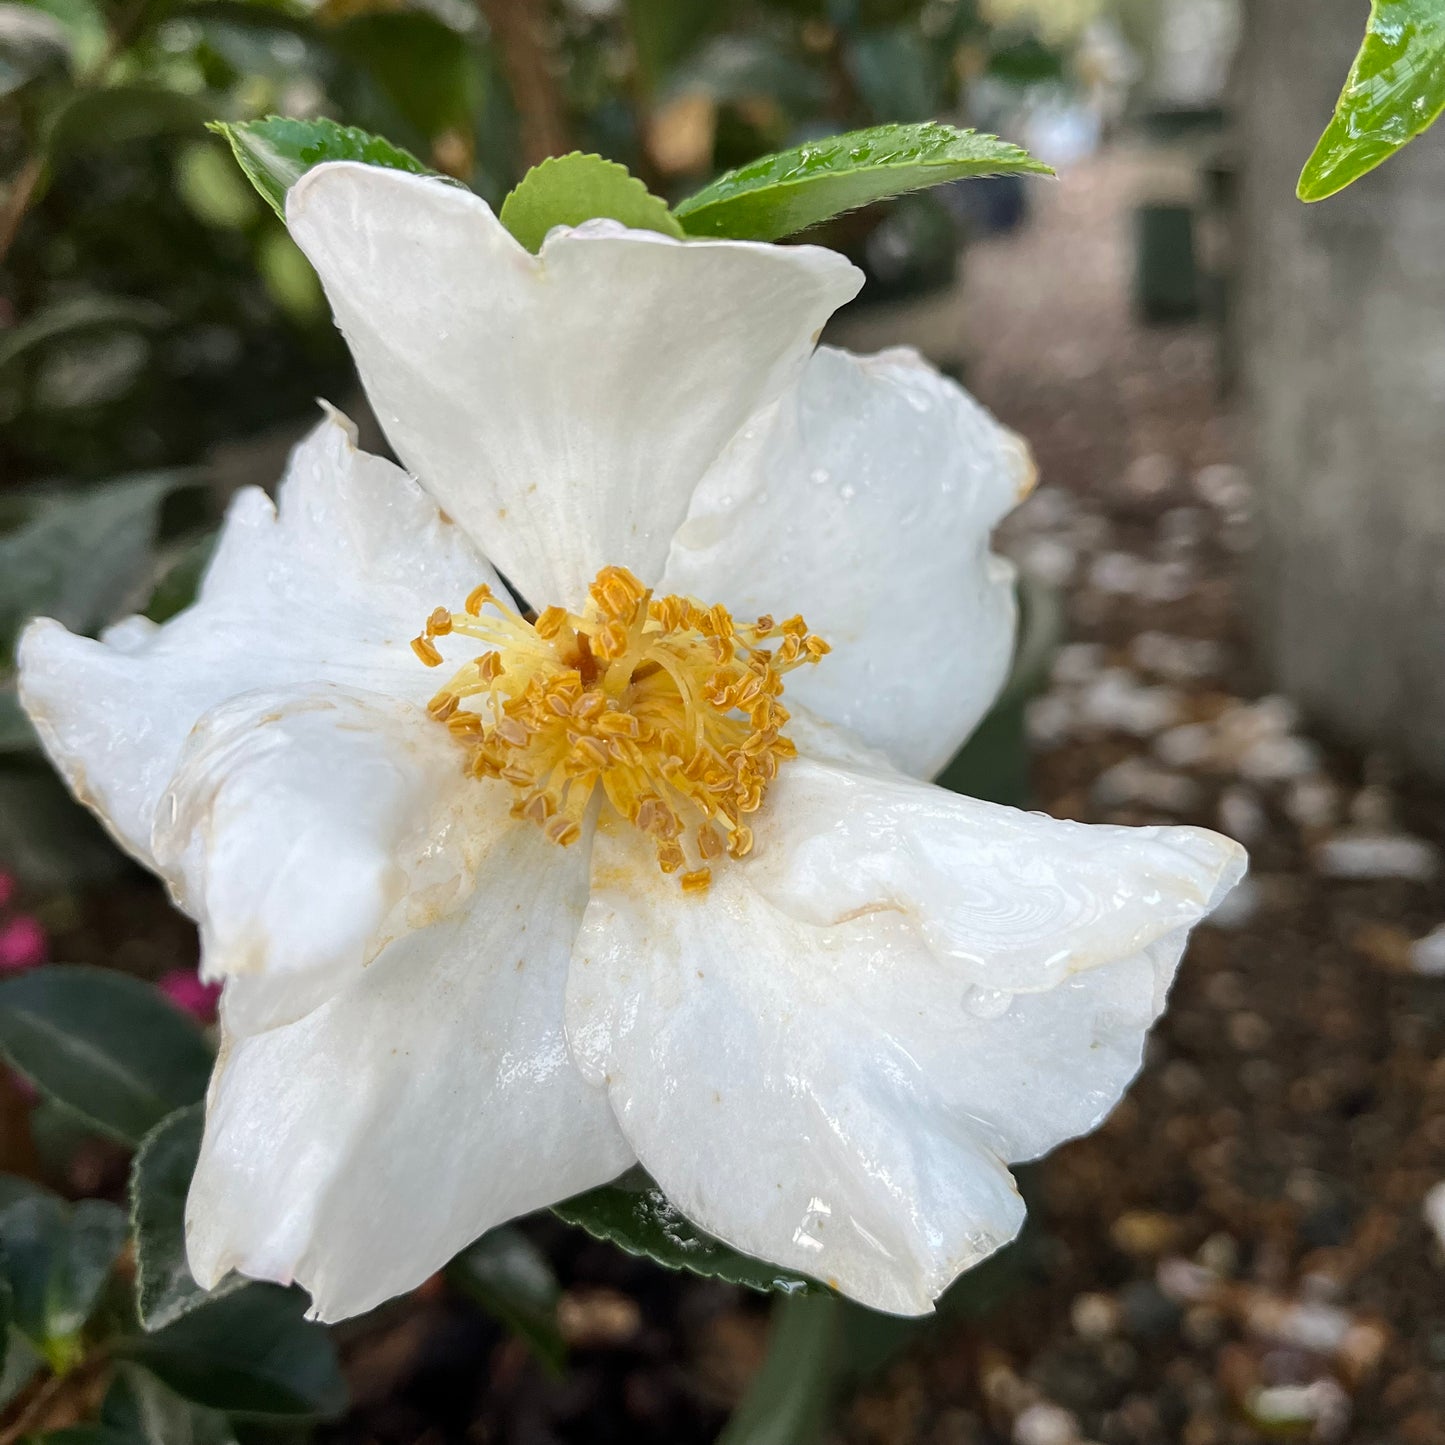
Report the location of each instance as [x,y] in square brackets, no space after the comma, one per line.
[671,708]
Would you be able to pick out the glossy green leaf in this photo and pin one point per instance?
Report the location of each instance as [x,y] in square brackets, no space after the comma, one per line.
[510,1278]
[567,190]
[636,1216]
[160,1175]
[782,194]
[57,1259]
[277,151]
[1395,90]
[249,1353]
[108,1046]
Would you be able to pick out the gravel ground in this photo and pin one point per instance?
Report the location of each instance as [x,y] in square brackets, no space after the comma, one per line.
[1242,1251]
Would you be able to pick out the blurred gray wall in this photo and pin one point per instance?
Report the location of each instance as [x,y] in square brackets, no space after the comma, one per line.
[1343,339]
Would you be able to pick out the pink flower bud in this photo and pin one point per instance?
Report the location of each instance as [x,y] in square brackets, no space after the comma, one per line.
[22,944]
[184,988]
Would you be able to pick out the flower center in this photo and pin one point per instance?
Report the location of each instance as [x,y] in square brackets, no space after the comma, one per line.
[670,708]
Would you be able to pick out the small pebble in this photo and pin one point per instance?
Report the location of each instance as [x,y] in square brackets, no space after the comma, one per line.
[1136,782]
[1427,955]
[1435,1211]
[1144,1233]
[1116,701]
[1313,802]
[1095,1316]
[1119,574]
[1377,856]
[1242,815]
[1045,1424]
[1322,1404]
[1278,759]
[1177,659]
[1077,663]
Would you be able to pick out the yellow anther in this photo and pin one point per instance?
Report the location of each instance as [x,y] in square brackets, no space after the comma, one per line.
[549,622]
[668,706]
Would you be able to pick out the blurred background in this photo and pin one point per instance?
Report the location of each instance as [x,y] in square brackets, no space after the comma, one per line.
[1233,576]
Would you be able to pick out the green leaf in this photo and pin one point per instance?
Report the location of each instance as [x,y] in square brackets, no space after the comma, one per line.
[57,1258]
[790,1399]
[119,115]
[1395,90]
[276,152]
[22,1361]
[82,556]
[160,1175]
[637,1217]
[108,1046]
[510,1278]
[248,1353]
[782,194]
[142,1411]
[567,190]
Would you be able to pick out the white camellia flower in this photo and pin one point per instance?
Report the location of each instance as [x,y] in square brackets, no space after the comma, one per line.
[506,906]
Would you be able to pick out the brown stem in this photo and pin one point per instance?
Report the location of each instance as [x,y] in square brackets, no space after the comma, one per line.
[57,1401]
[519,28]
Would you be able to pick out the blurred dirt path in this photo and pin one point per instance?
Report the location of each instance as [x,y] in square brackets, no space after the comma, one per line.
[1241,1251]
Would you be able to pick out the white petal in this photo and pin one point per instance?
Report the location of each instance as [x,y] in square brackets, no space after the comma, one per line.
[865,502]
[357,1150]
[561,407]
[805,1059]
[303,830]
[330,585]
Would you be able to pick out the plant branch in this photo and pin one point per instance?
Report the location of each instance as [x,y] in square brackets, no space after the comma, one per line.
[519,29]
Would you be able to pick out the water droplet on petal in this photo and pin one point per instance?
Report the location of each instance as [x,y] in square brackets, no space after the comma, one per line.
[987,1003]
